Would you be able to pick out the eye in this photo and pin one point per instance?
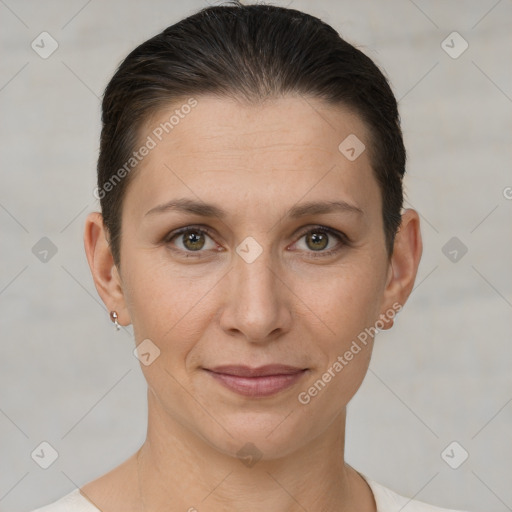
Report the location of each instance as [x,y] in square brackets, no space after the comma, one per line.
[191,240]
[322,240]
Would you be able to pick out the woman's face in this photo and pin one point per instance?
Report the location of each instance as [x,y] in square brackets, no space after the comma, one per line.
[254,281]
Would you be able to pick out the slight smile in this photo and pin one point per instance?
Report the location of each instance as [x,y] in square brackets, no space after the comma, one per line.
[257,382]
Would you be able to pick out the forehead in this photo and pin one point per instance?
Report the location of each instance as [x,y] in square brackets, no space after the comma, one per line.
[216,124]
[277,149]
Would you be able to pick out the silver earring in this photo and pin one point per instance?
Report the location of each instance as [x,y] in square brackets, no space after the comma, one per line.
[113,317]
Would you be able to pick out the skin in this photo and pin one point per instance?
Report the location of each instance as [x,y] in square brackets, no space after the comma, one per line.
[292,305]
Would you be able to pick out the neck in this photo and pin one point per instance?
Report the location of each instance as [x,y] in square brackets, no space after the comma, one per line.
[179,471]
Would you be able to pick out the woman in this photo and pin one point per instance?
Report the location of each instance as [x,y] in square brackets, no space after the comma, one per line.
[252,232]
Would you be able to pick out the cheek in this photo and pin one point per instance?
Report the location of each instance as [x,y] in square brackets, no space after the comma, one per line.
[346,298]
[348,305]
[347,301]
[164,304]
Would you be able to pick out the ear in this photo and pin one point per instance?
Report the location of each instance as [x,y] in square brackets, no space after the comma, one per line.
[104,272]
[403,267]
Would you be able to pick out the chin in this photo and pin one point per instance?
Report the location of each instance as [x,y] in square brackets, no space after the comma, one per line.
[262,435]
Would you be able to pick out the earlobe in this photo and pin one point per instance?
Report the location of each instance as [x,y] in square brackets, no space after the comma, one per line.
[104,272]
[404,263]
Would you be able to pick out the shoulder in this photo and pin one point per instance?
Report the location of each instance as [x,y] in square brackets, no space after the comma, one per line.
[72,502]
[389,501]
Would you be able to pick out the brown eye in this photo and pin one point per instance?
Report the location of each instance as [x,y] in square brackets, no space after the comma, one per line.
[193,240]
[323,241]
[317,240]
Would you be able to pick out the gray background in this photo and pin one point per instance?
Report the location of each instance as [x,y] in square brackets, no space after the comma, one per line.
[442,374]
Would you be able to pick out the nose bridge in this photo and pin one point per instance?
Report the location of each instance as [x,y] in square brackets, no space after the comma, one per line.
[255,270]
[256,304]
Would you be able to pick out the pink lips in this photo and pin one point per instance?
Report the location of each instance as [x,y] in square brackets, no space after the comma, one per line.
[257,382]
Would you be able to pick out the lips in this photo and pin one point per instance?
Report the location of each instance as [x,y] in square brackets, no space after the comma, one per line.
[257,382]
[261,371]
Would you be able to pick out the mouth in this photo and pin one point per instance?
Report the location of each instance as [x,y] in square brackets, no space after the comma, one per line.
[257,382]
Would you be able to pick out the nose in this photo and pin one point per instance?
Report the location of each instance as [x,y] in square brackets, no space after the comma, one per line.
[258,301]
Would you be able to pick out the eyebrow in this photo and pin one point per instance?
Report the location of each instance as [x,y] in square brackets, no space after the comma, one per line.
[210,210]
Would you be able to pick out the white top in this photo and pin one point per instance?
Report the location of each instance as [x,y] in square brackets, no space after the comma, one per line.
[386,500]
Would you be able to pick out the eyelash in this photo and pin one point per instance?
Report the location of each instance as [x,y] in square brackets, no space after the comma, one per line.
[342,239]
